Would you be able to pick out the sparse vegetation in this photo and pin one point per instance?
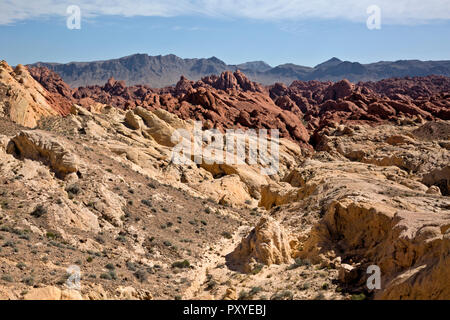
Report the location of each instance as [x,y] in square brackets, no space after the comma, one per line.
[359,297]
[141,275]
[29,281]
[181,264]
[147,203]
[254,291]
[227,235]
[39,211]
[73,190]
[257,268]
[131,266]
[121,238]
[304,286]
[110,266]
[320,296]
[283,295]
[7,278]
[243,295]
[299,263]
[99,239]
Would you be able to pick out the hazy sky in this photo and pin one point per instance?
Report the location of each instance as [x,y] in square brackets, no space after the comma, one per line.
[285,31]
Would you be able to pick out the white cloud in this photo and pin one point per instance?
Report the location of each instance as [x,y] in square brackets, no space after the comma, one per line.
[393,11]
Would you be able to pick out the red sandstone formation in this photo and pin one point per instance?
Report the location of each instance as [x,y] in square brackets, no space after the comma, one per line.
[60,94]
[231,100]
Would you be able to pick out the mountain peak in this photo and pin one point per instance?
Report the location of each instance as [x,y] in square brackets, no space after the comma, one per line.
[258,66]
[329,63]
[214,59]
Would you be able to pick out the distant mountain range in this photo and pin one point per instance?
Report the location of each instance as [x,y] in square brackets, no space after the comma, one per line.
[161,71]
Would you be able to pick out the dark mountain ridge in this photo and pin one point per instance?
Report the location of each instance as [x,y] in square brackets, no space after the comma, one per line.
[161,71]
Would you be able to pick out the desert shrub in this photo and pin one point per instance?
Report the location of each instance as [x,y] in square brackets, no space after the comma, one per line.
[298,263]
[9,243]
[283,295]
[257,269]
[141,275]
[304,286]
[254,291]
[211,284]
[106,276]
[227,235]
[121,239]
[243,295]
[51,235]
[7,278]
[21,266]
[28,281]
[73,189]
[131,266]
[320,296]
[111,275]
[110,266]
[147,203]
[39,211]
[5,204]
[358,297]
[167,243]
[181,264]
[99,239]
[24,237]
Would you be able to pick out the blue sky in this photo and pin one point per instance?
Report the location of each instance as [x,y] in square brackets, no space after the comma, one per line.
[289,32]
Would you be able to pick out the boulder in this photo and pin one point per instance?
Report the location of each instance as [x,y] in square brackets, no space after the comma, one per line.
[42,146]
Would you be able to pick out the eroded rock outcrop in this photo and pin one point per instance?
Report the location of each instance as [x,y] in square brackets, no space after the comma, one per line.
[41,146]
[373,192]
[268,244]
[23,99]
[52,293]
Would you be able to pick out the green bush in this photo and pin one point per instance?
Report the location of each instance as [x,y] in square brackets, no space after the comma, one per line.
[359,297]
